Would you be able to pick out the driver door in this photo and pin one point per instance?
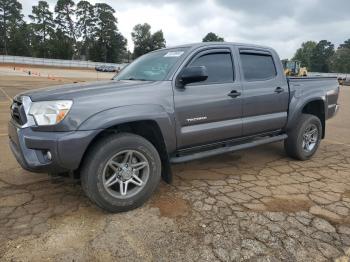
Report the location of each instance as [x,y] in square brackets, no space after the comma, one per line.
[210,110]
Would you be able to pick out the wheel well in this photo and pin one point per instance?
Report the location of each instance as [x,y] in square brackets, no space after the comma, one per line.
[149,130]
[316,108]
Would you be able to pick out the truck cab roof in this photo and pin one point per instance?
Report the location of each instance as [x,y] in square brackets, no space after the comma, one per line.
[203,44]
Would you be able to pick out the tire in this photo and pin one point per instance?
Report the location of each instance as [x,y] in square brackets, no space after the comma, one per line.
[105,160]
[295,145]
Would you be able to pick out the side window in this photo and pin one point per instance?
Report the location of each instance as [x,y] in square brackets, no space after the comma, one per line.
[258,66]
[219,67]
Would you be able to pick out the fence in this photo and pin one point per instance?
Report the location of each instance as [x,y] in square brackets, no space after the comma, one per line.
[328,74]
[52,62]
[88,64]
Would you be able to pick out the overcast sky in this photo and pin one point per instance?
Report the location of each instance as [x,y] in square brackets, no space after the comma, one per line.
[281,24]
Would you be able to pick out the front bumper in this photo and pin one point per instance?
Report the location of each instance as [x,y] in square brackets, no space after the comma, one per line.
[66,148]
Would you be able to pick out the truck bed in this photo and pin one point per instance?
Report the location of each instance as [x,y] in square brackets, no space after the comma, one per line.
[311,78]
[305,84]
[324,88]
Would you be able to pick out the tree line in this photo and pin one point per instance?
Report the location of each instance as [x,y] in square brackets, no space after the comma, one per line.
[73,31]
[315,56]
[323,57]
[90,32]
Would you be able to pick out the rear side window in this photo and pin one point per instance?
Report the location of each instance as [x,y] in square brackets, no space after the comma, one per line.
[219,67]
[258,66]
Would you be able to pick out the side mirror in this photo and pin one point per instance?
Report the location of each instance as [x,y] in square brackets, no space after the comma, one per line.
[193,74]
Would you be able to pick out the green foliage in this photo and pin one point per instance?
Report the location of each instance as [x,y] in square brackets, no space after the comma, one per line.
[321,56]
[118,51]
[19,41]
[10,18]
[341,59]
[65,10]
[142,38]
[109,45]
[304,53]
[86,20]
[73,31]
[43,27]
[158,40]
[346,44]
[60,46]
[85,27]
[145,41]
[212,37]
[90,32]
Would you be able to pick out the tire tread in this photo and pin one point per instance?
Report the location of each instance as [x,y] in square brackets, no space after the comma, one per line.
[86,176]
[291,145]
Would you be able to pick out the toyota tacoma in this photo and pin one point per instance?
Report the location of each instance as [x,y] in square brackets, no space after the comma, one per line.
[169,106]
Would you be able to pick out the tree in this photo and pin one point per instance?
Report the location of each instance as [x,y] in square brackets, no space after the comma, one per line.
[85,26]
[85,30]
[341,61]
[142,37]
[144,41]
[10,17]
[346,44]
[65,11]
[158,40]
[321,56]
[108,45]
[212,37]
[20,40]
[341,58]
[304,53]
[43,28]
[60,46]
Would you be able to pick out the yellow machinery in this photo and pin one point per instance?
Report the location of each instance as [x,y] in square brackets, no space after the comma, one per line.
[292,68]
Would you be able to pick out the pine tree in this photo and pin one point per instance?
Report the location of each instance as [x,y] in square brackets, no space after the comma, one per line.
[85,27]
[109,45]
[65,11]
[10,18]
[43,28]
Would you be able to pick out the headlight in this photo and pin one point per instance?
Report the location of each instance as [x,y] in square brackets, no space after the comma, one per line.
[50,112]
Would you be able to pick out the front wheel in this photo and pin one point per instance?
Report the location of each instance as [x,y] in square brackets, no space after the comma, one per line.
[304,139]
[121,172]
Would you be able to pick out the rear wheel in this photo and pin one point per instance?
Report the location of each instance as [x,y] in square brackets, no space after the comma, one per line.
[121,172]
[304,139]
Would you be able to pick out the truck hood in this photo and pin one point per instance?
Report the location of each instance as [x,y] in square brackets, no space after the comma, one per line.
[78,90]
[93,98]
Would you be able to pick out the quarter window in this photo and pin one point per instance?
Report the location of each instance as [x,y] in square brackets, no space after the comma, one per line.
[258,66]
[219,67]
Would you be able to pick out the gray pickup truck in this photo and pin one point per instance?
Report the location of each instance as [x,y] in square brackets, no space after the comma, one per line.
[169,106]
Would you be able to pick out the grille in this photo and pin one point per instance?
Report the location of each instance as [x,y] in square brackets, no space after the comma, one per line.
[17,112]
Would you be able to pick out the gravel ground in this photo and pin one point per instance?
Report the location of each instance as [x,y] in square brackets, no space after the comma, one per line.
[253,205]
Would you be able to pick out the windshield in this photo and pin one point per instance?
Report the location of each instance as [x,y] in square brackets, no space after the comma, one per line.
[290,65]
[153,66]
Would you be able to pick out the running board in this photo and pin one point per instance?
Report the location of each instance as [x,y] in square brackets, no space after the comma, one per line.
[227,149]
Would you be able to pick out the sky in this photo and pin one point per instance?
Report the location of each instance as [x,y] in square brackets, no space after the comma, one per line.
[280,24]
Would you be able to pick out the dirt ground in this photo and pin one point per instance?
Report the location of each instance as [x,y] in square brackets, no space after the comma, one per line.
[53,73]
[253,205]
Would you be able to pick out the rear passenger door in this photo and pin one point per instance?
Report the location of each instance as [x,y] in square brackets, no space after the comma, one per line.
[265,92]
[210,110]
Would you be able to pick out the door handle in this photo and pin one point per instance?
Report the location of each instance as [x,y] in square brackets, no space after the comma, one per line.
[234,94]
[279,90]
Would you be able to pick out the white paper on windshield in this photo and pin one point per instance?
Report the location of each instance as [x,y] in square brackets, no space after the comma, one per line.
[174,54]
